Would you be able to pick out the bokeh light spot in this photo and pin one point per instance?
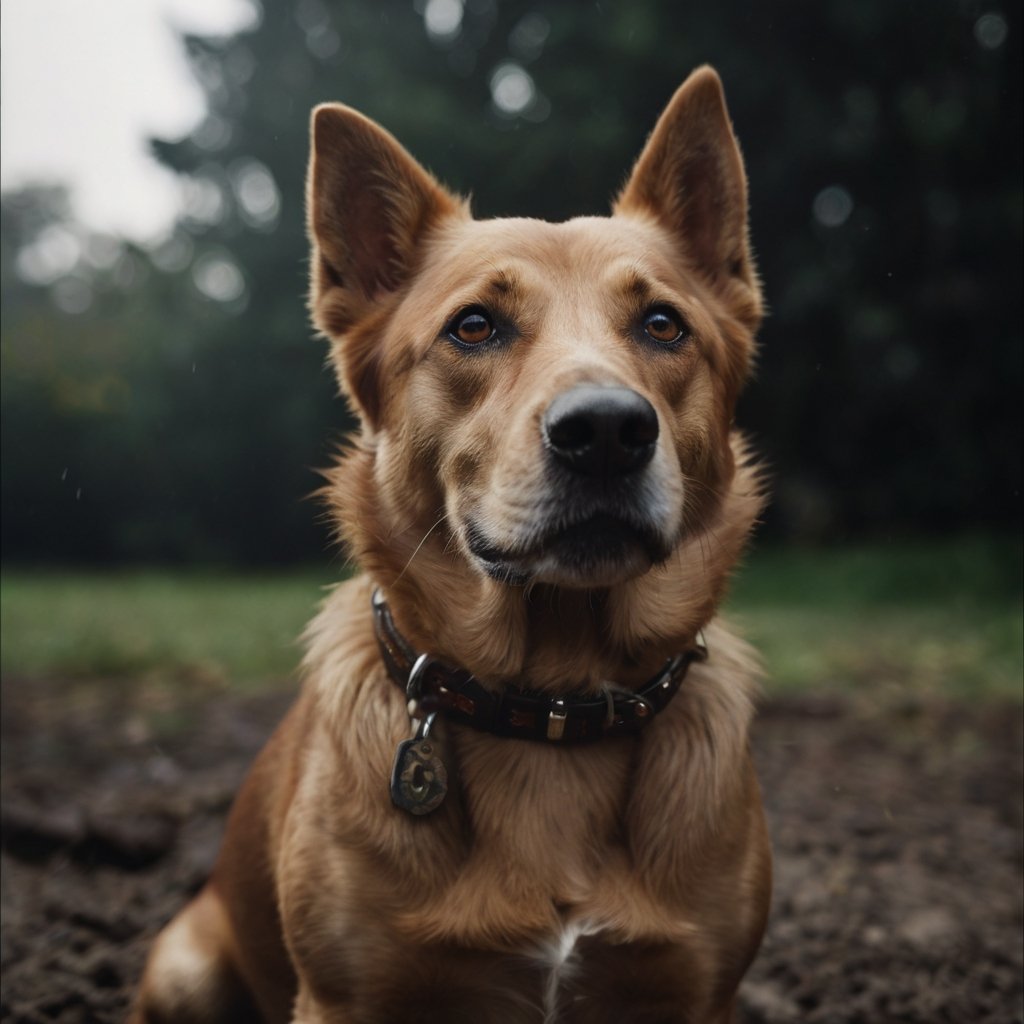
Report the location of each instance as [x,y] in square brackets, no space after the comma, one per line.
[443,19]
[52,254]
[990,30]
[526,41]
[259,199]
[833,206]
[203,200]
[174,254]
[217,276]
[512,89]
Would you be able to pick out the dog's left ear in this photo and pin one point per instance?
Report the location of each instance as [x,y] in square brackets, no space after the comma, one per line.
[690,178]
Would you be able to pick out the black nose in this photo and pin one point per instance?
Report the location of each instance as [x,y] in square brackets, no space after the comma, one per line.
[601,431]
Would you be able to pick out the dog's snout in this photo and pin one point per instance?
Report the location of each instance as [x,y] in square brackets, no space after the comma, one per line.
[601,431]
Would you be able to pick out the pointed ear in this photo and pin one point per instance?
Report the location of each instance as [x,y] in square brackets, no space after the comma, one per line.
[369,204]
[690,178]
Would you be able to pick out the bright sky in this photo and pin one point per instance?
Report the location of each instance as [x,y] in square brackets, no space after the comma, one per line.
[83,83]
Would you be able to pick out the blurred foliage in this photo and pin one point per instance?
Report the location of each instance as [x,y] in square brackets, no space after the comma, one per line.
[934,618]
[168,404]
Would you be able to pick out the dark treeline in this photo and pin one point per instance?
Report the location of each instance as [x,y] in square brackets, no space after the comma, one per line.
[172,405]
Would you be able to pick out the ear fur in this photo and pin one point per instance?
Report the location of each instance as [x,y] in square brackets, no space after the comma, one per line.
[369,206]
[690,178]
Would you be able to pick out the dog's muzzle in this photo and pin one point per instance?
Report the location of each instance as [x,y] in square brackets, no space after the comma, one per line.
[600,510]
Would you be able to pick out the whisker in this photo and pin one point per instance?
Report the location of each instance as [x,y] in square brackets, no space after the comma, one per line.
[690,482]
[444,516]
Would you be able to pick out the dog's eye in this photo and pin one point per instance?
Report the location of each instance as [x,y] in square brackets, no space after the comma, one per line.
[664,325]
[471,328]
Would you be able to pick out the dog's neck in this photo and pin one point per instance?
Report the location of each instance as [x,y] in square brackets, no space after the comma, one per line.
[542,637]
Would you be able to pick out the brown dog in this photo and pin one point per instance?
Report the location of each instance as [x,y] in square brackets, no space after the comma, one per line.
[552,814]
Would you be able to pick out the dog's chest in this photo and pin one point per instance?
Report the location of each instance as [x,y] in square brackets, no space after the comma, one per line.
[549,812]
[546,846]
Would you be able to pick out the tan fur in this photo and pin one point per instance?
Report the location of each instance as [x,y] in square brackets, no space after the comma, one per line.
[626,880]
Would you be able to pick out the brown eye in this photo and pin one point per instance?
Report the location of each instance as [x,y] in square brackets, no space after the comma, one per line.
[472,328]
[664,326]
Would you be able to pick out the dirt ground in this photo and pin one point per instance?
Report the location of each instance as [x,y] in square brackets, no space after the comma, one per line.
[897,833]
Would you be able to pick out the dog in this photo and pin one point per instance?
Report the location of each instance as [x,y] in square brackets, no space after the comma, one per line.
[516,786]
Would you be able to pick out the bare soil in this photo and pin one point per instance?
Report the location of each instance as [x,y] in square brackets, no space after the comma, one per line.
[897,833]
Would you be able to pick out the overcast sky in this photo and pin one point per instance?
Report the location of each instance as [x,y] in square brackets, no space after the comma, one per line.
[84,83]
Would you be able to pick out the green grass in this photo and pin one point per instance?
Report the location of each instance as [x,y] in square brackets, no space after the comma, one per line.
[210,628]
[935,618]
[909,617]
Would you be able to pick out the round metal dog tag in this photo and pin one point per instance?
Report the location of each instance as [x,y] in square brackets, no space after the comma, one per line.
[419,779]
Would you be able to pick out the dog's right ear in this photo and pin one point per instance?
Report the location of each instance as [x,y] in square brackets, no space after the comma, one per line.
[369,205]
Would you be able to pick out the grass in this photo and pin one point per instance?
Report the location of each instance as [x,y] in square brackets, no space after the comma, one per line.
[937,618]
[914,617]
[209,628]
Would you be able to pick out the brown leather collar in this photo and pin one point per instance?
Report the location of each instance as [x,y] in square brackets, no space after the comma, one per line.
[432,686]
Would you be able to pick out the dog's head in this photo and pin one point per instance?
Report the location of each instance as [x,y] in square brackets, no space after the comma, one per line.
[542,405]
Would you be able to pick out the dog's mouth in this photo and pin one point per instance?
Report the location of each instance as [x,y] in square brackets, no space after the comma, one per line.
[600,550]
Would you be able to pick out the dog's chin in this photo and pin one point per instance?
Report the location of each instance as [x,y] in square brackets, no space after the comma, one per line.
[598,552]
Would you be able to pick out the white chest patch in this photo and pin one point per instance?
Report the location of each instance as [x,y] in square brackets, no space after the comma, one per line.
[557,957]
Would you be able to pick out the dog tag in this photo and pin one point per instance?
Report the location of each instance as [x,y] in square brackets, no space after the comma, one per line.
[419,779]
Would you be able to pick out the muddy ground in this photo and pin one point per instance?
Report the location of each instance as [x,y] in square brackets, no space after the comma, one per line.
[897,833]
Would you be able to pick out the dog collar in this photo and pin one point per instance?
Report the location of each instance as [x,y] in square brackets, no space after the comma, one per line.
[433,687]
